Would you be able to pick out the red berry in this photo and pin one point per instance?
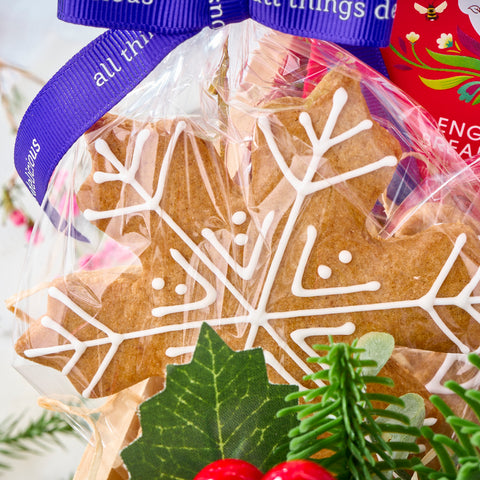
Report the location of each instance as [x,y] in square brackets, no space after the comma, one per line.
[298,470]
[229,469]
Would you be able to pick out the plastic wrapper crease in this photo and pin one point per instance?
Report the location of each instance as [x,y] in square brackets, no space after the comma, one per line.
[266,185]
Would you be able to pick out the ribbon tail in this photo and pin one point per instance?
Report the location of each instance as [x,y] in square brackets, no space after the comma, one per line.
[86,88]
[372,56]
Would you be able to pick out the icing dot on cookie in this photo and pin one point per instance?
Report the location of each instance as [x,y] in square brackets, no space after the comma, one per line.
[158,283]
[239,217]
[345,256]
[324,272]
[181,289]
[241,239]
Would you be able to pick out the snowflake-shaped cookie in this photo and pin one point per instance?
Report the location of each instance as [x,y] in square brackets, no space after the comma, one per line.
[279,256]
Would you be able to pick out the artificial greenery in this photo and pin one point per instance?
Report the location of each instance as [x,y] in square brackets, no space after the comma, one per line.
[459,458]
[36,437]
[220,405]
[339,417]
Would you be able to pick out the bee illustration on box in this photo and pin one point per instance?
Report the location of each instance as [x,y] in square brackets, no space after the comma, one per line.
[431,11]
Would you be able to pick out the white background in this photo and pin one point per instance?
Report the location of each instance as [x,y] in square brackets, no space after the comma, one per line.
[30,37]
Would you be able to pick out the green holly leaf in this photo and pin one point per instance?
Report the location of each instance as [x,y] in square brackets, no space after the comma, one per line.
[220,405]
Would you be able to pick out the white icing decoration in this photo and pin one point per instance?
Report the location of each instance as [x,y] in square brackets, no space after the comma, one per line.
[210,292]
[345,256]
[158,283]
[299,336]
[324,272]
[256,316]
[239,218]
[436,385]
[112,338]
[127,175]
[244,272]
[181,289]
[280,369]
[241,239]
[173,352]
[79,347]
[299,291]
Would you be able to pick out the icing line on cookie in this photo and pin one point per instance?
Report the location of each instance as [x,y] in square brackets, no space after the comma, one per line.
[123,174]
[299,291]
[112,338]
[208,299]
[436,384]
[246,273]
[78,346]
[281,370]
[173,352]
[299,336]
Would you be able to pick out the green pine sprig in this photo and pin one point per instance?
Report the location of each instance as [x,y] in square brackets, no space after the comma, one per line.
[17,442]
[459,458]
[339,417]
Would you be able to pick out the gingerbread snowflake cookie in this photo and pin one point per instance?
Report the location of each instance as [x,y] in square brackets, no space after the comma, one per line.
[278,256]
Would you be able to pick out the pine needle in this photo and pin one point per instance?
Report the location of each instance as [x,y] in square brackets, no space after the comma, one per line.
[36,438]
[359,442]
[459,458]
[340,419]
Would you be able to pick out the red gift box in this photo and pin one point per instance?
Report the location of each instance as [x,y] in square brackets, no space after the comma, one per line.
[435,57]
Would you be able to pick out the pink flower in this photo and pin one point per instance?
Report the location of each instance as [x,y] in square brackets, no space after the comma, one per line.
[17,217]
[68,206]
[111,254]
[60,180]
[84,262]
[34,238]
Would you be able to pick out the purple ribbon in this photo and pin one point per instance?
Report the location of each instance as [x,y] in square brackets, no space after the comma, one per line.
[366,23]
[101,74]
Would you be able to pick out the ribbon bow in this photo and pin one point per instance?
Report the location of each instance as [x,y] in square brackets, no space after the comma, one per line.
[353,22]
[101,74]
